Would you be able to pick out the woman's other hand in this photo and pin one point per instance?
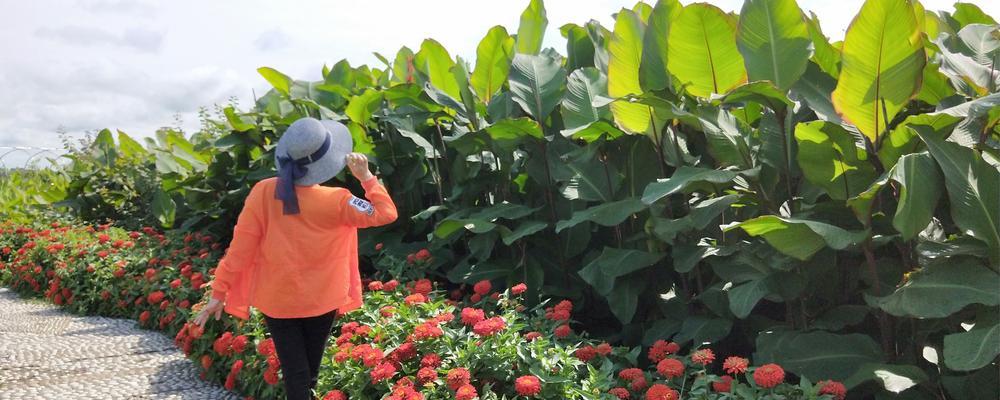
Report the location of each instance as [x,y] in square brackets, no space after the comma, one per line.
[358,163]
[214,306]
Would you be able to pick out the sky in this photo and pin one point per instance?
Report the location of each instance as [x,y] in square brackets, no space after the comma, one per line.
[136,65]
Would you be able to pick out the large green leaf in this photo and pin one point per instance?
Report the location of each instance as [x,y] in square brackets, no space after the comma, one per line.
[613,263]
[730,141]
[129,146]
[919,189]
[774,40]
[817,355]
[578,110]
[700,329]
[904,140]
[607,214]
[164,208]
[435,63]
[579,47]
[830,158]
[683,178]
[894,378]
[493,56]
[623,72]
[941,290]
[797,237]
[532,28]
[974,349]
[281,82]
[653,74]
[698,218]
[824,55]
[883,61]
[361,107]
[973,189]
[702,53]
[537,83]
[743,297]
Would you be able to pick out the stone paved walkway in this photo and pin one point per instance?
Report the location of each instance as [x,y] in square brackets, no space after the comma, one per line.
[46,353]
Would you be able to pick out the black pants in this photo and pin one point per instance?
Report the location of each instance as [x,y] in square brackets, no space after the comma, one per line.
[300,343]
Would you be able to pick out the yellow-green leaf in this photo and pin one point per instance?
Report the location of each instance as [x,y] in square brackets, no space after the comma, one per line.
[623,72]
[701,51]
[493,57]
[774,40]
[883,62]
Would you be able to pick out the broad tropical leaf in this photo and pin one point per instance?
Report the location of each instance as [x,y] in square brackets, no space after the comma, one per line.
[797,237]
[623,73]
[653,74]
[702,53]
[830,158]
[883,61]
[493,56]
[537,83]
[774,40]
[943,289]
[532,28]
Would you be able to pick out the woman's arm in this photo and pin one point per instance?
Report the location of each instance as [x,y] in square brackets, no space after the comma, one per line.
[243,249]
[376,209]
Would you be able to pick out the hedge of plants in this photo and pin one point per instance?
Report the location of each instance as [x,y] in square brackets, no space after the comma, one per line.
[687,175]
[408,341]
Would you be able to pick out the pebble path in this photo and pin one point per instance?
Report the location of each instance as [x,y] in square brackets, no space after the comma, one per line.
[46,353]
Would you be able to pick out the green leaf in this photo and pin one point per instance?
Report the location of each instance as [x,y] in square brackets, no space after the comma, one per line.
[903,140]
[471,273]
[684,178]
[973,189]
[700,330]
[402,65]
[815,88]
[579,47]
[817,355]
[362,142]
[702,53]
[607,214]
[537,83]
[525,229]
[919,189]
[361,107]
[623,72]
[940,290]
[883,61]
[698,218]
[624,300]
[830,158]
[164,208]
[744,297]
[493,56]
[613,263]
[774,40]
[968,13]
[730,141]
[435,63]
[129,146]
[797,237]
[825,55]
[281,82]
[974,349]
[894,378]
[653,74]
[532,28]
[515,130]
[578,110]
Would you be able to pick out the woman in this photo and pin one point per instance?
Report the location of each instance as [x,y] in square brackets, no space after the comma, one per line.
[294,253]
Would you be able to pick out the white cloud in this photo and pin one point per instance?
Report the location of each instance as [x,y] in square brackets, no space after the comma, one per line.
[140,39]
[273,39]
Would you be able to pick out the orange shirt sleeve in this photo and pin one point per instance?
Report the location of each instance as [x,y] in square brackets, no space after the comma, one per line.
[242,251]
[376,209]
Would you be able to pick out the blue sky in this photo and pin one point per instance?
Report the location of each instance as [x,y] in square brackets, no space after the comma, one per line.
[136,65]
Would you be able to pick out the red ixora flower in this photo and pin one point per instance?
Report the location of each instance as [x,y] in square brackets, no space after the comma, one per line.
[457,378]
[724,385]
[528,385]
[735,365]
[670,368]
[661,392]
[620,393]
[335,395]
[661,349]
[489,327]
[563,331]
[382,372]
[482,287]
[630,374]
[472,316]
[769,375]
[466,392]
[703,357]
[833,388]
[518,289]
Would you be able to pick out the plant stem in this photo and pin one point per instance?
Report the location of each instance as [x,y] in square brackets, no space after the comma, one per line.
[884,325]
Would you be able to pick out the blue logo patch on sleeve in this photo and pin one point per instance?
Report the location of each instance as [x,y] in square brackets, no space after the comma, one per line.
[361,205]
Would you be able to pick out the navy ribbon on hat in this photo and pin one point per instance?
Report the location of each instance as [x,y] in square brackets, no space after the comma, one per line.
[289,171]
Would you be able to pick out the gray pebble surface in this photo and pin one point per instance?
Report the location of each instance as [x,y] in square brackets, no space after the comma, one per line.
[46,353]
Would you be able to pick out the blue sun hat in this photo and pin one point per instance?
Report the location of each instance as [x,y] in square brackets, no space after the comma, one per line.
[311,151]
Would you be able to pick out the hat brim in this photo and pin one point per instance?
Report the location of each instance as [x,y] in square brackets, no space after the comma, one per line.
[332,162]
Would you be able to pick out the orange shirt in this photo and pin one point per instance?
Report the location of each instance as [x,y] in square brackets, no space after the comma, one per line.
[301,265]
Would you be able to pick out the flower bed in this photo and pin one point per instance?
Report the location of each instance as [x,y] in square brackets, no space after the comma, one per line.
[408,341]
